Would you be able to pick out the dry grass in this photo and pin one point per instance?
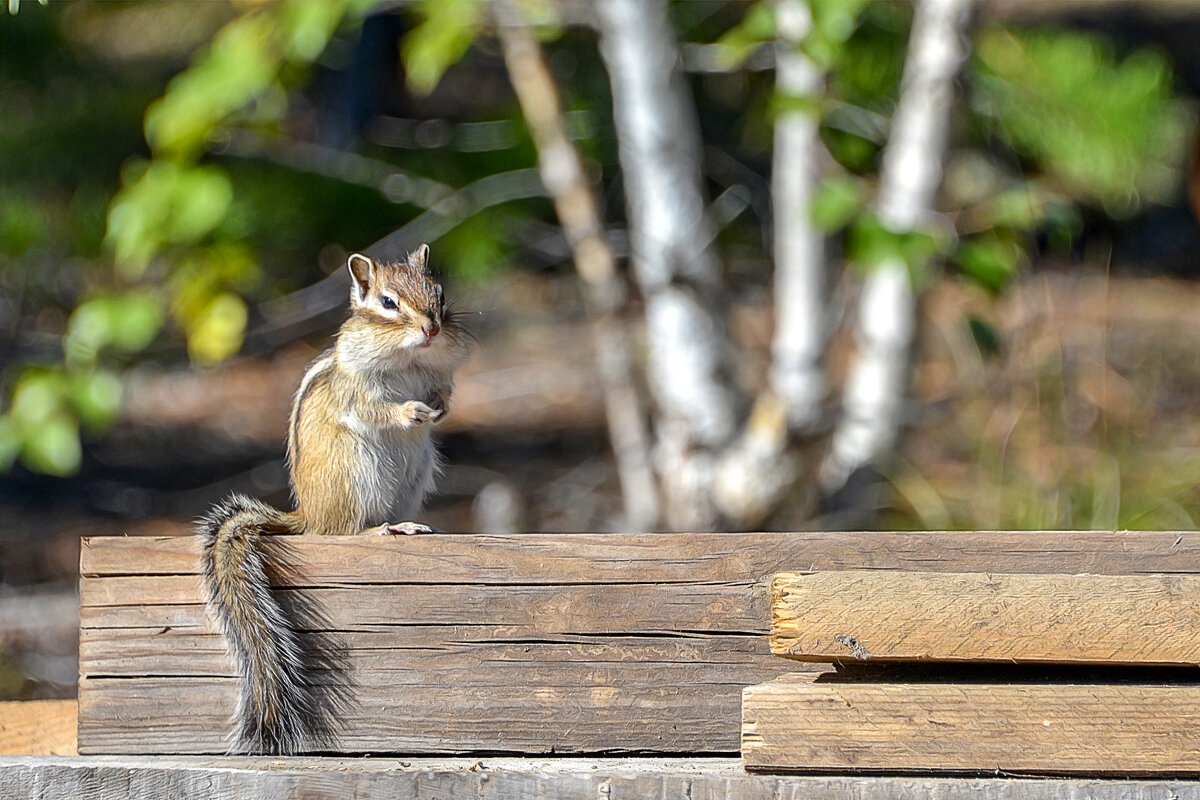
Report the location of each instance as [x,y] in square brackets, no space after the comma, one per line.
[1086,416]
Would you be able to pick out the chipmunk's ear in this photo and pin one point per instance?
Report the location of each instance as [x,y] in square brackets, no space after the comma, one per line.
[362,271]
[420,257]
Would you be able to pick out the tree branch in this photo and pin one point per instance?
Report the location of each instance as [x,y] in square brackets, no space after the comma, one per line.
[563,174]
[909,179]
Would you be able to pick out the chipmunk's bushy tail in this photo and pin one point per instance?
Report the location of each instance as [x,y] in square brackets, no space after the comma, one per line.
[275,707]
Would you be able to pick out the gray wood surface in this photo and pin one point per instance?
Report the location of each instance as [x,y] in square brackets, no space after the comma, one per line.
[209,778]
[535,643]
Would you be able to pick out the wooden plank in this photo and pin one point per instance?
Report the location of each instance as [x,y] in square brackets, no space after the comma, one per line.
[136,778]
[605,558]
[908,616]
[1049,728]
[575,643]
[37,728]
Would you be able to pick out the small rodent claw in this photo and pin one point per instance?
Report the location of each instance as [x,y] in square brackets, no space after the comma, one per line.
[418,412]
[407,529]
[438,404]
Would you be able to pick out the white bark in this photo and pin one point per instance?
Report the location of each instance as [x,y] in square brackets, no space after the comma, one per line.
[909,179]
[753,474]
[797,376]
[563,174]
[679,275]
[659,150]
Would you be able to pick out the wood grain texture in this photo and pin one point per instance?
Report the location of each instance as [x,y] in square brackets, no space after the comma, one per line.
[909,616]
[188,778]
[1098,729]
[38,728]
[577,643]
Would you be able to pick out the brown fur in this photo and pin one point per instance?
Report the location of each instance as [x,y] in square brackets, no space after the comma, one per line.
[358,450]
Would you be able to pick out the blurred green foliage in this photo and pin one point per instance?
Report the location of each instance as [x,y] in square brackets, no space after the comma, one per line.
[1075,125]
[126,227]
[1104,129]
[446,30]
[164,203]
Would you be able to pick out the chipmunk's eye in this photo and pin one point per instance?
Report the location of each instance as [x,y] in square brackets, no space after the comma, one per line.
[387,302]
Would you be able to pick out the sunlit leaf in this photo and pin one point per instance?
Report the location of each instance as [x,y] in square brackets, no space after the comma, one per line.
[37,397]
[242,61]
[835,202]
[755,29]
[833,23]
[445,33]
[126,322]
[991,260]
[870,243]
[306,26]
[1107,127]
[165,204]
[217,332]
[52,446]
[96,397]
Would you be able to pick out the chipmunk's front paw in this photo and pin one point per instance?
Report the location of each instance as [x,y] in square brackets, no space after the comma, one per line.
[414,412]
[405,529]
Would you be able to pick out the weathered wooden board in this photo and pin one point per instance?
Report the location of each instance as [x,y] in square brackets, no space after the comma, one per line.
[37,728]
[803,723]
[189,778]
[910,616]
[534,643]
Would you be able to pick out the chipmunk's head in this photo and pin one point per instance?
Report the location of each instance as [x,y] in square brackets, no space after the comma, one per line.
[401,300]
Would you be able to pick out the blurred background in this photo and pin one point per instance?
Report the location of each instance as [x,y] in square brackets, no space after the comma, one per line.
[802,264]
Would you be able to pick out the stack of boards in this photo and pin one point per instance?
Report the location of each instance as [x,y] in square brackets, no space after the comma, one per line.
[1079,659]
[977,672]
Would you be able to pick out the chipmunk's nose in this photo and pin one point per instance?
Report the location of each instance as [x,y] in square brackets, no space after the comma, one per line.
[431,328]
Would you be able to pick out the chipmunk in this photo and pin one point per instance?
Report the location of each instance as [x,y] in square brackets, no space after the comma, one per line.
[359,455]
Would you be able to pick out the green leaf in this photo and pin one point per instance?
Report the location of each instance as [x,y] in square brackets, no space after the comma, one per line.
[216,332]
[137,319]
[126,322]
[202,277]
[756,28]
[1110,129]
[53,447]
[307,25]
[986,337]
[870,244]
[96,397]
[475,247]
[836,202]
[22,223]
[37,396]
[445,33]
[833,23]
[163,204]
[242,62]
[794,104]
[992,260]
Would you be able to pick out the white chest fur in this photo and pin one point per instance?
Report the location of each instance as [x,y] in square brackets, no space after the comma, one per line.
[394,470]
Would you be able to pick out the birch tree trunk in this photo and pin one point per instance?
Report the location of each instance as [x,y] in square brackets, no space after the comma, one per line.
[909,180]
[677,272]
[797,376]
[564,176]
[754,474]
